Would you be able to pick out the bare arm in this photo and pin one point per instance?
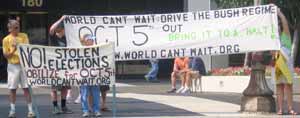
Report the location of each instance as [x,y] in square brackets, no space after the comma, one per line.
[54,26]
[8,52]
[175,68]
[284,23]
[186,67]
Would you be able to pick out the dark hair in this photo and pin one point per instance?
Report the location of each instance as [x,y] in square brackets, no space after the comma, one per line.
[61,25]
[280,24]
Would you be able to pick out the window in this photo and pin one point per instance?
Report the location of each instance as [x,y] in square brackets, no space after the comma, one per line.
[36,28]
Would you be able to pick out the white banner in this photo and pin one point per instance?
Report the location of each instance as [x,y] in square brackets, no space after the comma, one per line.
[199,33]
[93,65]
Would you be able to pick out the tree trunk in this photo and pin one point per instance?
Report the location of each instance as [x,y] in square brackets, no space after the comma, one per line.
[295,44]
[258,97]
[256,2]
[246,60]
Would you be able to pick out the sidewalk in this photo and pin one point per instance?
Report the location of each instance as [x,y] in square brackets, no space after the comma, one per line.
[137,98]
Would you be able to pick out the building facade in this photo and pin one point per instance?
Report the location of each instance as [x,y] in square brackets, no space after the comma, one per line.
[36,16]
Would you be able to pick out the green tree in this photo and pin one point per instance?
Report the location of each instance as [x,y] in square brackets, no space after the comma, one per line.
[224,4]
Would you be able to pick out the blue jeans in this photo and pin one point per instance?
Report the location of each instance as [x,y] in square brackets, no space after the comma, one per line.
[95,92]
[152,74]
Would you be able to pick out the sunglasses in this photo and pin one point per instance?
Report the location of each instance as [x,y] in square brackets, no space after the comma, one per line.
[90,38]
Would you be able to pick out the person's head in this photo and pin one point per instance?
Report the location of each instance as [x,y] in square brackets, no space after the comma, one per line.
[13,27]
[60,30]
[87,40]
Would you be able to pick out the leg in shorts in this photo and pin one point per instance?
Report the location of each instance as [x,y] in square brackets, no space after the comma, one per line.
[104,88]
[16,77]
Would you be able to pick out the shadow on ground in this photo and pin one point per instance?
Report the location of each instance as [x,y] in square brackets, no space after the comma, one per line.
[143,87]
[126,107]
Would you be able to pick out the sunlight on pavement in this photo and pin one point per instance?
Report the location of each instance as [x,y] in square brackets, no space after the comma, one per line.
[189,103]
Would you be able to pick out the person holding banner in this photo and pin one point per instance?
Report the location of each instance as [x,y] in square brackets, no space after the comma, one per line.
[89,90]
[103,88]
[284,67]
[15,74]
[57,38]
[180,70]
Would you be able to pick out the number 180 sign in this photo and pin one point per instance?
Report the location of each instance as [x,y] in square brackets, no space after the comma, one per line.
[32,3]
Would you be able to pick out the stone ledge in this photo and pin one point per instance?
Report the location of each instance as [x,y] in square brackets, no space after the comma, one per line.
[258,104]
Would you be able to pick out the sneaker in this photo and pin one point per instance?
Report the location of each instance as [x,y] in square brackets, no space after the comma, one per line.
[179,90]
[105,109]
[69,99]
[85,114]
[98,114]
[146,78]
[31,115]
[78,100]
[185,90]
[173,90]
[66,110]
[12,114]
[56,110]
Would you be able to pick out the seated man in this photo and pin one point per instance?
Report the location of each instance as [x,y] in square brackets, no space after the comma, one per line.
[180,70]
[197,69]
[197,64]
